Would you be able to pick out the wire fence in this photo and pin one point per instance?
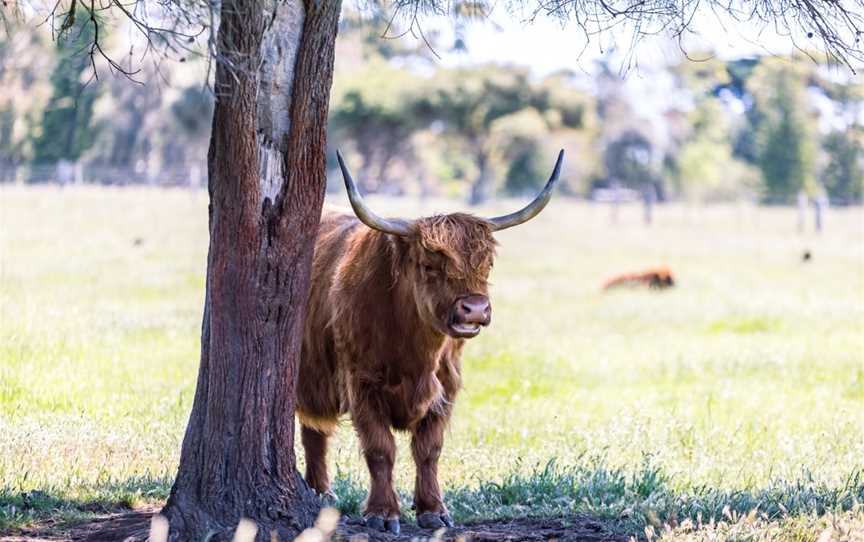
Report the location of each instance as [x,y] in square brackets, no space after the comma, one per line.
[71,173]
[195,176]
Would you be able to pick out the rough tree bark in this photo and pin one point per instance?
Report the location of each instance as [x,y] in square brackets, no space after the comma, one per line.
[266,181]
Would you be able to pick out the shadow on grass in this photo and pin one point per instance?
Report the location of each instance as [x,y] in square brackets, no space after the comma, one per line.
[60,506]
[629,501]
[622,502]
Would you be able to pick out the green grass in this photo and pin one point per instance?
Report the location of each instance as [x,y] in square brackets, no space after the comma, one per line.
[743,387]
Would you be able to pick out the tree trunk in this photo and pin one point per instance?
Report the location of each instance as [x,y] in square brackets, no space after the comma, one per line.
[481,185]
[649,198]
[267,178]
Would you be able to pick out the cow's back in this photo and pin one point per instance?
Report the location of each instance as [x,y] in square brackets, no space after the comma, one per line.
[318,401]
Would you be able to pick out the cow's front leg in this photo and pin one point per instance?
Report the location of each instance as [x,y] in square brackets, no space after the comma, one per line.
[379,449]
[426,443]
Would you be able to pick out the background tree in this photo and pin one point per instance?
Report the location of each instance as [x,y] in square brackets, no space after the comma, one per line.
[631,161]
[786,131]
[519,138]
[706,168]
[23,65]
[744,138]
[184,132]
[121,128]
[471,103]
[843,170]
[558,115]
[473,99]
[66,126]
[630,157]
[843,174]
[374,112]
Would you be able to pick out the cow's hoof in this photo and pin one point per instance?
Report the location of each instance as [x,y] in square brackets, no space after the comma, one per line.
[434,520]
[392,525]
[375,522]
[328,497]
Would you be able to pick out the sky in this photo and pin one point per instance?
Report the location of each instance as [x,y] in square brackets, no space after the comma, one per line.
[546,45]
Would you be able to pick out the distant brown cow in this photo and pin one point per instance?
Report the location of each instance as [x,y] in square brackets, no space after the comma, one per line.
[657,279]
[390,308]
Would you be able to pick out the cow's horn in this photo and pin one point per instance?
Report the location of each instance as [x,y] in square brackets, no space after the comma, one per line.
[364,213]
[532,209]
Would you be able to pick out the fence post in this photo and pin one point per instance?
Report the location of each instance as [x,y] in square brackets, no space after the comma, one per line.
[802,210]
[649,197]
[616,199]
[820,204]
[65,172]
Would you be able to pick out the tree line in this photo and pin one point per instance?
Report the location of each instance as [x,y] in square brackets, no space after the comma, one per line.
[765,128]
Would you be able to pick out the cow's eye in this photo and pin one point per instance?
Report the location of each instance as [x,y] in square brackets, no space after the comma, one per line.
[430,270]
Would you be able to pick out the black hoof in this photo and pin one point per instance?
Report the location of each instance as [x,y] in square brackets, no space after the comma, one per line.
[328,497]
[375,522]
[392,525]
[448,521]
[432,520]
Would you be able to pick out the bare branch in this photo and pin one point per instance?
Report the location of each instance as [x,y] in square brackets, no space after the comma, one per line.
[187,22]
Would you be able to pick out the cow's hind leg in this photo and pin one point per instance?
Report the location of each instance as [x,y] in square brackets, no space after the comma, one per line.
[426,444]
[379,450]
[315,447]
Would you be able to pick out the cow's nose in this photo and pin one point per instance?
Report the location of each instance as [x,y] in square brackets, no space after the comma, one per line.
[475,309]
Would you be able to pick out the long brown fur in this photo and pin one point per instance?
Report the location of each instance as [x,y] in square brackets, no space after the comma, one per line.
[659,278]
[375,344]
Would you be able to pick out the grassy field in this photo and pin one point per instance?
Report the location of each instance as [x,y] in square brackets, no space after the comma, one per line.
[741,389]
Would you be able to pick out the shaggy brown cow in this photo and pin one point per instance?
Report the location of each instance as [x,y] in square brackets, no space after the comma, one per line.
[656,279]
[391,305]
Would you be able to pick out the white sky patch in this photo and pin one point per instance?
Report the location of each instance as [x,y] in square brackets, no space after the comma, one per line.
[547,45]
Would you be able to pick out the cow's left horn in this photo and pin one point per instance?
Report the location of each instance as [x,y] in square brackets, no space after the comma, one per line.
[532,209]
[364,213]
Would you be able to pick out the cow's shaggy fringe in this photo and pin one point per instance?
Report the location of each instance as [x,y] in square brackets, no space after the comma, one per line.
[457,235]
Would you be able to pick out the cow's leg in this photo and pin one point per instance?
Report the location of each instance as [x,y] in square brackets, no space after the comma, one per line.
[379,449]
[426,443]
[315,446]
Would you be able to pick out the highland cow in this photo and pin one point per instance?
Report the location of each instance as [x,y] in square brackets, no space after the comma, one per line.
[391,305]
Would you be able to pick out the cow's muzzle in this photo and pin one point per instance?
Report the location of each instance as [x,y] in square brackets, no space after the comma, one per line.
[468,314]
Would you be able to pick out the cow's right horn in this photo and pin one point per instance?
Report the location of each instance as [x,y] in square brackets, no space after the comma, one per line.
[364,213]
